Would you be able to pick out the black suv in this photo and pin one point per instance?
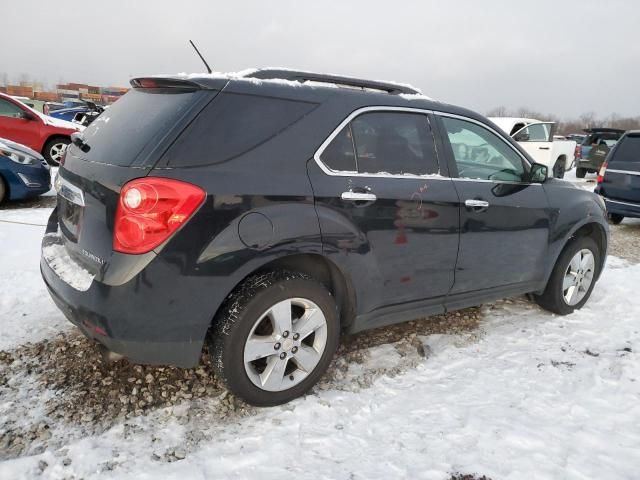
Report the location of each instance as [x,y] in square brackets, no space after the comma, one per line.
[619,178]
[268,213]
[593,149]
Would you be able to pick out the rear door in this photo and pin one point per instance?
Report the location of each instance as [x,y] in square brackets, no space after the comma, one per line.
[504,219]
[537,140]
[388,211]
[622,177]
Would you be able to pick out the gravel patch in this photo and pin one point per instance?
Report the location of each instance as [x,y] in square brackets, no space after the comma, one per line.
[60,389]
[624,240]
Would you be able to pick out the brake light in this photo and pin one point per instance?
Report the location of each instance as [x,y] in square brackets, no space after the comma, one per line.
[602,171]
[578,152]
[150,210]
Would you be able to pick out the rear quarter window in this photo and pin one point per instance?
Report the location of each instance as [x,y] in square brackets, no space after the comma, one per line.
[234,124]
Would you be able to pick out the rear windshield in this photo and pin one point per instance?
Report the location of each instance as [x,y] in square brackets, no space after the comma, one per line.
[627,151]
[605,138]
[139,119]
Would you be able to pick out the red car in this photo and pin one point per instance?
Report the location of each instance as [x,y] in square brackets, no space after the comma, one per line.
[22,124]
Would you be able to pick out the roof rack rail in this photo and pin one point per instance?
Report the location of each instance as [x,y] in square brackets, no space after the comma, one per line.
[300,76]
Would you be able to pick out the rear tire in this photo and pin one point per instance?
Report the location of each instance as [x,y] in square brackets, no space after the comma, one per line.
[54,150]
[559,287]
[558,169]
[252,349]
[581,172]
[616,218]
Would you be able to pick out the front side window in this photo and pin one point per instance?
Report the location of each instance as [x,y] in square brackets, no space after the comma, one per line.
[537,132]
[481,154]
[394,143]
[8,109]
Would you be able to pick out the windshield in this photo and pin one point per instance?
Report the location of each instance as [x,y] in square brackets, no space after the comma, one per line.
[140,118]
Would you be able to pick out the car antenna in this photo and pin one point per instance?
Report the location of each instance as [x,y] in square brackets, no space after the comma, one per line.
[200,55]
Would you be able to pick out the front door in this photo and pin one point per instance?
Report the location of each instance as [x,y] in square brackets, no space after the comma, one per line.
[387,216]
[504,219]
[537,140]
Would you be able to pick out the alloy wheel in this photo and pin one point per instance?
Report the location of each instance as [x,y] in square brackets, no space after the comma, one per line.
[578,277]
[285,344]
[57,151]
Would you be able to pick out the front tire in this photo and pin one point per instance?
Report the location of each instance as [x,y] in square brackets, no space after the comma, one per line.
[3,190]
[616,218]
[54,149]
[573,277]
[274,337]
[581,172]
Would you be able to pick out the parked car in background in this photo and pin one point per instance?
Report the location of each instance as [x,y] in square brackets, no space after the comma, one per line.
[537,139]
[268,213]
[619,178]
[49,107]
[24,173]
[577,137]
[590,154]
[42,133]
[83,114]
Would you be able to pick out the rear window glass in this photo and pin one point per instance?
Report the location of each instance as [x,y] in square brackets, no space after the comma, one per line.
[138,119]
[234,124]
[627,151]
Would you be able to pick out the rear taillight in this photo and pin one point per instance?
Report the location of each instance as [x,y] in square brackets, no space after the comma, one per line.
[578,152]
[150,210]
[602,171]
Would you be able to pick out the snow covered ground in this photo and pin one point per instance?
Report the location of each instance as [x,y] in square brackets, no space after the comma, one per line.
[529,395]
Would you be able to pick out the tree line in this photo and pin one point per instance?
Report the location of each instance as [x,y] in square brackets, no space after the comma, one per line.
[572,125]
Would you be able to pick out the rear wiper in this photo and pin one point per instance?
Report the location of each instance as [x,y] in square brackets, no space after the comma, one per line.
[78,140]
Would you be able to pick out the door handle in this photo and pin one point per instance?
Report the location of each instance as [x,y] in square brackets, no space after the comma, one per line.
[476,205]
[543,148]
[358,196]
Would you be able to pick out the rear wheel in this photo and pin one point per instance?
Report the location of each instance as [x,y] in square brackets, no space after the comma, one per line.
[581,172]
[54,150]
[615,218]
[558,169]
[573,277]
[275,337]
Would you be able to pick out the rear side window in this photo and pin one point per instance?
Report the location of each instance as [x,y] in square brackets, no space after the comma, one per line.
[384,142]
[234,124]
[627,151]
[139,118]
[8,109]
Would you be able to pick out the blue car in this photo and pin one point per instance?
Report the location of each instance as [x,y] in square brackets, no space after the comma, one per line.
[619,179]
[24,173]
[69,113]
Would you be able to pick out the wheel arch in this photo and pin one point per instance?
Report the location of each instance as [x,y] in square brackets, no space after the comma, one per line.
[52,137]
[319,267]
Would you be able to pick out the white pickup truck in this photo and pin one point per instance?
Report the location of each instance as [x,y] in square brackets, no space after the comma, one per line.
[536,138]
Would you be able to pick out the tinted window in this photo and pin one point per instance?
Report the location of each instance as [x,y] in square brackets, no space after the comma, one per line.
[139,118]
[539,132]
[385,142]
[627,151]
[8,109]
[481,154]
[234,124]
[339,154]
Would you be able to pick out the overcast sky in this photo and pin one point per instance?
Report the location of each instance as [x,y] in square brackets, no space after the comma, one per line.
[564,57]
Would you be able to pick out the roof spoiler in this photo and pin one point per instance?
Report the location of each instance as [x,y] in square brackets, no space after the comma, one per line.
[603,130]
[158,82]
[300,76]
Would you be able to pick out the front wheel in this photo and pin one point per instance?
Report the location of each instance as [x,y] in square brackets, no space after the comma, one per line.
[573,277]
[54,150]
[275,337]
[581,172]
[616,218]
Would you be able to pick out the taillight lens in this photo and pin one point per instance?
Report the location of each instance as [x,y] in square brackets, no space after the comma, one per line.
[578,151]
[150,210]
[602,171]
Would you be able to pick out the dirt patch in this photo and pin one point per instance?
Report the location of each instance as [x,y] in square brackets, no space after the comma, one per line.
[624,241]
[61,389]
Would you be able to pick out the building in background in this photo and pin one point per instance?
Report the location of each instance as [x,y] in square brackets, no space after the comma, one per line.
[65,92]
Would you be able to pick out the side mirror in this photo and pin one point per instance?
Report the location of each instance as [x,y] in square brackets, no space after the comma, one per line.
[538,173]
[28,116]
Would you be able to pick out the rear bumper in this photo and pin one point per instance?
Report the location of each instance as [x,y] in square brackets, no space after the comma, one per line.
[619,207]
[159,317]
[588,164]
